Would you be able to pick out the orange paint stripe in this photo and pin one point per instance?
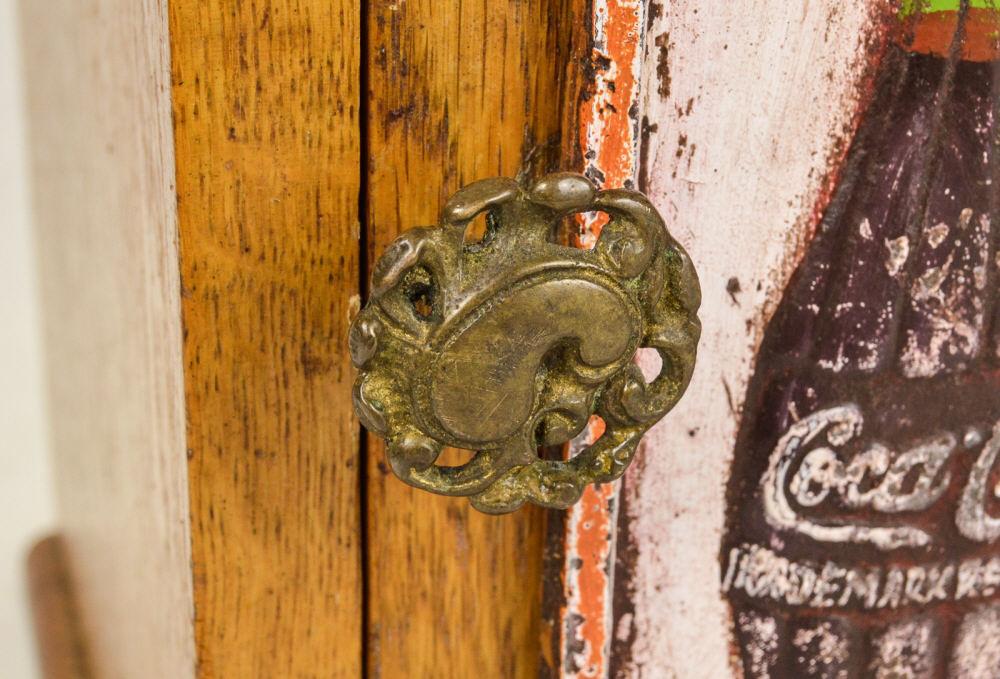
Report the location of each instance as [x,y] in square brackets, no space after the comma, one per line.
[609,139]
[934,33]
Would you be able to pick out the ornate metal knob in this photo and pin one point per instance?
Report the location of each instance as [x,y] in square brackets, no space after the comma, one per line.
[512,343]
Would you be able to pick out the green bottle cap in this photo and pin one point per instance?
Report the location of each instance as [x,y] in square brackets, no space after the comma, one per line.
[908,7]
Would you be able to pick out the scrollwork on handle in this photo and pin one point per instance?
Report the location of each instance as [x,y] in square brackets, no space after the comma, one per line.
[513,342]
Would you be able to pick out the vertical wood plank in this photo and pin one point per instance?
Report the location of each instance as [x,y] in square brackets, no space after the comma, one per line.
[97,73]
[266,110]
[459,91]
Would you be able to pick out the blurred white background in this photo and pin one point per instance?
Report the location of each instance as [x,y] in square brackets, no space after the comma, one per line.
[26,498]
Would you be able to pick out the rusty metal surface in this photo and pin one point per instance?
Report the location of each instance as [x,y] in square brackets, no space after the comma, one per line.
[609,133]
[511,343]
[864,496]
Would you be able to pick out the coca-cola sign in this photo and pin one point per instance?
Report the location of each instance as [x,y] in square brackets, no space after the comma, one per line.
[809,470]
[863,503]
[811,477]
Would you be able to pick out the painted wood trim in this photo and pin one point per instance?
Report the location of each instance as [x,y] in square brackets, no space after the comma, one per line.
[609,139]
[266,108]
[101,153]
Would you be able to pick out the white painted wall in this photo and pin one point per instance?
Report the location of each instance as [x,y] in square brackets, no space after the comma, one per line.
[26,498]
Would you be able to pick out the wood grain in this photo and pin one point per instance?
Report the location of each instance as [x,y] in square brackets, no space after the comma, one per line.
[97,73]
[459,91]
[266,110]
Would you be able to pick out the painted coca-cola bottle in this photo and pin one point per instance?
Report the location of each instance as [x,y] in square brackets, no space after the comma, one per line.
[863,534]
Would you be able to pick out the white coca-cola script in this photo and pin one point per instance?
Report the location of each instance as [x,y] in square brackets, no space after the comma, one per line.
[807,467]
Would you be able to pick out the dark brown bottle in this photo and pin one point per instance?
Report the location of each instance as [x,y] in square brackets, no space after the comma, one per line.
[863,536]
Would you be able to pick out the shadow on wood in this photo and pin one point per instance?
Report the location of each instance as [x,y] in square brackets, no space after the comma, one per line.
[61,648]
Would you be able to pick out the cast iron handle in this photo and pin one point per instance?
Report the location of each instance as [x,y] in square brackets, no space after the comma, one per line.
[512,343]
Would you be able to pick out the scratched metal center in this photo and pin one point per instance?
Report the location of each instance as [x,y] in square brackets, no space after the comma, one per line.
[493,359]
[514,342]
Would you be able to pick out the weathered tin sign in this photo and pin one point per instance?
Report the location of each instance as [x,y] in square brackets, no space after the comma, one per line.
[825,502]
[864,502]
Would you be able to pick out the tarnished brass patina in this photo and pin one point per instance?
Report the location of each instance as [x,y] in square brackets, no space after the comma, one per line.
[509,344]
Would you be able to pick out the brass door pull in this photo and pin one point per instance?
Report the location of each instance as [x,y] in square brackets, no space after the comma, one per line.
[512,343]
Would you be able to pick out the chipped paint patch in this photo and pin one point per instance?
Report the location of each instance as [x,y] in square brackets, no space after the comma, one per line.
[609,137]
[609,122]
[937,233]
[589,574]
[977,650]
[906,650]
[763,630]
[865,229]
[898,252]
[946,295]
[820,649]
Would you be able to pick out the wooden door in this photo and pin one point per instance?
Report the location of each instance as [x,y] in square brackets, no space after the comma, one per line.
[213,180]
[213,183]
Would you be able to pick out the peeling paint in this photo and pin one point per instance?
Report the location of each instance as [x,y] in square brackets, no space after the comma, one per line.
[974,654]
[906,650]
[763,629]
[865,229]
[937,234]
[609,138]
[899,252]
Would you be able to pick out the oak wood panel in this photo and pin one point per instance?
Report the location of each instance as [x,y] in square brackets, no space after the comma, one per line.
[266,110]
[97,76]
[458,91]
